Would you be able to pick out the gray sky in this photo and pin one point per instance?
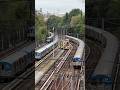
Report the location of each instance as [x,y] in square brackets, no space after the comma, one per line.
[59,6]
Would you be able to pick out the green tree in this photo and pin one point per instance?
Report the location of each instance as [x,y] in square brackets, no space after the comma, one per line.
[66,19]
[75,12]
[54,21]
[40,29]
[12,11]
[77,23]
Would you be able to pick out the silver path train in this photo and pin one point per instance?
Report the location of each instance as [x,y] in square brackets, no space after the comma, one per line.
[79,54]
[41,52]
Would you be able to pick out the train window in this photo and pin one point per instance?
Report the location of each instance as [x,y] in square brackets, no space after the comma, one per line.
[1,67]
[7,67]
[18,62]
[14,66]
[21,61]
[24,60]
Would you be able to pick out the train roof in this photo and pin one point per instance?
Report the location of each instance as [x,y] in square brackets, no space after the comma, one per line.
[108,57]
[18,54]
[13,57]
[47,46]
[79,52]
[51,36]
[80,49]
[29,48]
[106,62]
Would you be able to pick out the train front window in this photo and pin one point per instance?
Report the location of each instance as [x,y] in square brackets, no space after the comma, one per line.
[7,67]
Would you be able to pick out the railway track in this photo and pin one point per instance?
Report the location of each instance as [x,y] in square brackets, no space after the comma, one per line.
[45,82]
[26,75]
[59,69]
[42,69]
[91,61]
[67,77]
[13,50]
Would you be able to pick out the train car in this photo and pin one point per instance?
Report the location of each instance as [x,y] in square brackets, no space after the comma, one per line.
[67,46]
[104,71]
[12,65]
[16,62]
[61,44]
[46,49]
[30,53]
[79,56]
[50,38]
[64,44]
[96,35]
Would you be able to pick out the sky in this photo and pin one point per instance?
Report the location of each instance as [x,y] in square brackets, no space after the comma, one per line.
[59,6]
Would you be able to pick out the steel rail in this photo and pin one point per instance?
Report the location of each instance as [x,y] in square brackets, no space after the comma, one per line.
[49,80]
